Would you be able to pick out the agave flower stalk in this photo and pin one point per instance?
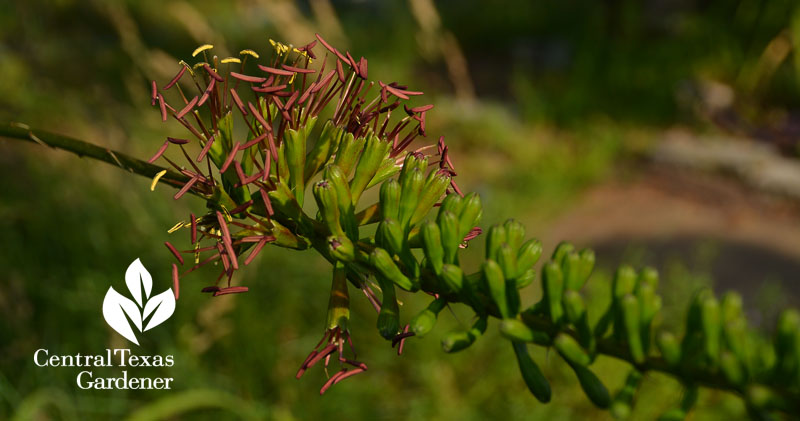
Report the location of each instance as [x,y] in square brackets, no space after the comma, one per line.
[257,142]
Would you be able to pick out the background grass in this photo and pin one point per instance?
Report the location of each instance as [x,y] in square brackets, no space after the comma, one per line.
[566,94]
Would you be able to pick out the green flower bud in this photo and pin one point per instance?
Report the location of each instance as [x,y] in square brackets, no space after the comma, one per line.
[347,218]
[731,368]
[526,278]
[432,246]
[516,330]
[433,189]
[711,328]
[375,151]
[452,203]
[515,233]
[577,268]
[650,305]
[391,235]
[423,322]
[669,347]
[381,260]
[389,316]
[528,255]
[594,389]
[496,285]
[507,258]
[469,214]
[494,238]
[390,199]
[453,277]
[295,151]
[631,316]
[575,311]
[562,250]
[322,150]
[348,152]
[386,170]
[649,276]
[410,192]
[621,406]
[448,226]
[569,348]
[459,340]
[534,379]
[553,283]
[341,248]
[731,306]
[328,204]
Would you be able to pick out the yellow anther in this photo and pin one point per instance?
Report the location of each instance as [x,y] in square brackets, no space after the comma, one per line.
[230,60]
[202,48]
[187,66]
[156,178]
[199,65]
[177,226]
[280,47]
[249,52]
[227,214]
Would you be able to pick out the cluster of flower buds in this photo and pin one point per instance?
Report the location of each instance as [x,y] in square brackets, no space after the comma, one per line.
[255,149]
[255,175]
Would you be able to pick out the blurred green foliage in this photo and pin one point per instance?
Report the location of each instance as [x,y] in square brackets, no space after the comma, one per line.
[564,92]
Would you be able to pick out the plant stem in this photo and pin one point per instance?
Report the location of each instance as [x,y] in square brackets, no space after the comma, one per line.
[19,131]
[705,377]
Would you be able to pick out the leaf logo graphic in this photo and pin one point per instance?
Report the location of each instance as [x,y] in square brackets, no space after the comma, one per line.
[119,311]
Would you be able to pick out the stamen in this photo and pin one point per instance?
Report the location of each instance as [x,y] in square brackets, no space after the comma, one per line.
[212,73]
[174,251]
[230,60]
[163,106]
[177,141]
[159,152]
[275,71]
[156,178]
[194,228]
[246,78]
[349,373]
[202,48]
[187,108]
[153,93]
[230,290]
[255,251]
[176,78]
[331,381]
[176,227]
[230,158]
[206,148]
[238,101]
[176,286]
[297,69]
[249,52]
[185,188]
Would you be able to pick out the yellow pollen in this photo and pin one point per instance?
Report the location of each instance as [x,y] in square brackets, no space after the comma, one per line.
[156,178]
[230,60]
[202,48]
[199,65]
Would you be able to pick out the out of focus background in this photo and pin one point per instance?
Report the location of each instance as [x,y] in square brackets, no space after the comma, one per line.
[660,133]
